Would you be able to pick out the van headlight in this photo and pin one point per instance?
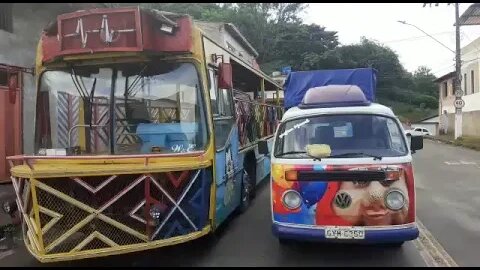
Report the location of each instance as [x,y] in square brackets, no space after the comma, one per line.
[291,199]
[395,200]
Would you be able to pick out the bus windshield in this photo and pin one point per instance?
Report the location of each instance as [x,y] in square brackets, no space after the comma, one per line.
[129,108]
[348,136]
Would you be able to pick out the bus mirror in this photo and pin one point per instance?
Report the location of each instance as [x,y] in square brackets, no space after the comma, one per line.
[262,147]
[12,88]
[416,143]
[225,76]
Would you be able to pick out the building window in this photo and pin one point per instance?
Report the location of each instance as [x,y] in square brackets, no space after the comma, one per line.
[473,81]
[465,83]
[6,20]
[445,89]
[5,76]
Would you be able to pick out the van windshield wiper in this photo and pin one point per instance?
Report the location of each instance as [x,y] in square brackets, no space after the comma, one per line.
[356,154]
[299,152]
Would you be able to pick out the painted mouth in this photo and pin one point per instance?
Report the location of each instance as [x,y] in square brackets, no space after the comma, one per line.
[376,214]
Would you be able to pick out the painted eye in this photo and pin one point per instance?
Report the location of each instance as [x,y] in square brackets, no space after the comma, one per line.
[386,183]
[360,184]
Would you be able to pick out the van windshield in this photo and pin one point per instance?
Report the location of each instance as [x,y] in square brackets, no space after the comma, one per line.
[347,136]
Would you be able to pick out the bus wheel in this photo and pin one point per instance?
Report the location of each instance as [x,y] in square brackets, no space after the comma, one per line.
[251,169]
[246,192]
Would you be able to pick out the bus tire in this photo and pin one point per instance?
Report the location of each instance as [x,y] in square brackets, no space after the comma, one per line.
[250,166]
[245,196]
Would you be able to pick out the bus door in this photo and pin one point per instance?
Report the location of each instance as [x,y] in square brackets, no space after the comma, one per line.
[227,166]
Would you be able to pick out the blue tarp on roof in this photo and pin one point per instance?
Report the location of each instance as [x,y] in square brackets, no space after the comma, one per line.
[299,82]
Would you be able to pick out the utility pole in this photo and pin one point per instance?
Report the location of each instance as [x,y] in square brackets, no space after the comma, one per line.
[459,103]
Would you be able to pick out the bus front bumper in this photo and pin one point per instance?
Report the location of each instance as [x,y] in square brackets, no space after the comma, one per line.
[391,234]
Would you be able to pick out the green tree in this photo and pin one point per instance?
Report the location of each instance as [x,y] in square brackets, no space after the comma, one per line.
[423,82]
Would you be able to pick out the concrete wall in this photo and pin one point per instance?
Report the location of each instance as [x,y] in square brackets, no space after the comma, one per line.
[470,123]
[19,49]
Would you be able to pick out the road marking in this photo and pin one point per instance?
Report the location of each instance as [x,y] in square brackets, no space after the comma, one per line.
[430,249]
[461,162]
[6,253]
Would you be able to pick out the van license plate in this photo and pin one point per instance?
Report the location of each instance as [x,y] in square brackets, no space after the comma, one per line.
[344,233]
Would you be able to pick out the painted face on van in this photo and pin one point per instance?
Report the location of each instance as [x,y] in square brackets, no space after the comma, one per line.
[368,206]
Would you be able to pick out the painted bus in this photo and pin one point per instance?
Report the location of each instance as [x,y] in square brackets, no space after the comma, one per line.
[146,134]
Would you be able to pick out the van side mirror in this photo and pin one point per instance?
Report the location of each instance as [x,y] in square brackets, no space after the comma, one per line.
[225,76]
[12,88]
[263,147]
[416,143]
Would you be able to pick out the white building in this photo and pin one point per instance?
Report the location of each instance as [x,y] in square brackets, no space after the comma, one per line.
[471,92]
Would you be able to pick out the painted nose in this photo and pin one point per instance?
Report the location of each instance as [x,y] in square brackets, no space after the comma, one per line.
[375,192]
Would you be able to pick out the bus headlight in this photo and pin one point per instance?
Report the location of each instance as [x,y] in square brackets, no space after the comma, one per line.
[9,207]
[395,200]
[155,212]
[291,199]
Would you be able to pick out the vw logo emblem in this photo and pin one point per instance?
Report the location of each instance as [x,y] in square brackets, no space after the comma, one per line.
[343,200]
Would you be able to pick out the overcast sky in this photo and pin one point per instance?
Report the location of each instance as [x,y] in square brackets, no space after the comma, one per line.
[379,22]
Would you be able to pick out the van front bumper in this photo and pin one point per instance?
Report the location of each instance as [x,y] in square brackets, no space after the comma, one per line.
[373,235]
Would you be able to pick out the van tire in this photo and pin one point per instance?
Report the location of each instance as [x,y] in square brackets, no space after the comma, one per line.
[395,244]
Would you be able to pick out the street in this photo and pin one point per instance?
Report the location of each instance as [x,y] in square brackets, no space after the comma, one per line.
[447,205]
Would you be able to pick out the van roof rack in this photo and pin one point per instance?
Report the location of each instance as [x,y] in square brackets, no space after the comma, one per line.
[334,96]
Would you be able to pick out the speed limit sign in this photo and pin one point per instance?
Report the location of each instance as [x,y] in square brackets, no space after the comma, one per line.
[459,103]
[458,93]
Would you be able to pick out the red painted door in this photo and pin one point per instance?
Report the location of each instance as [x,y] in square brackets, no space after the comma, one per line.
[10,123]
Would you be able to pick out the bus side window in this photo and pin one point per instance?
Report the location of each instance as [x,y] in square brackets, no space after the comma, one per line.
[213,91]
[224,121]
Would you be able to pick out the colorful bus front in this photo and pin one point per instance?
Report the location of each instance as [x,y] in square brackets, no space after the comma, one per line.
[124,138]
[342,172]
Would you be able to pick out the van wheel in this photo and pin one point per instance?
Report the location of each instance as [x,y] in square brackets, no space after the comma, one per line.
[395,244]
[246,192]
[285,242]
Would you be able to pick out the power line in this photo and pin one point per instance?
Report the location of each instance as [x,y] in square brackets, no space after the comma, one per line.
[418,37]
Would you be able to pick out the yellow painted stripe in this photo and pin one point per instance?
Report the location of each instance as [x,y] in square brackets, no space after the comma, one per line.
[123,227]
[118,250]
[94,235]
[76,170]
[91,210]
[55,218]
[36,224]
[68,233]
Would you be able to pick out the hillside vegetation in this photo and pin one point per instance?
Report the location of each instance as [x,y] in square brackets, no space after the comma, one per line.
[278,33]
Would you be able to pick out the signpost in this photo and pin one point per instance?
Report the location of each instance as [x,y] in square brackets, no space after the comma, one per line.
[459,103]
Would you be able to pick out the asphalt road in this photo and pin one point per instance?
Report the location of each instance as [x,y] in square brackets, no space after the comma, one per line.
[448,198]
[448,203]
[246,240]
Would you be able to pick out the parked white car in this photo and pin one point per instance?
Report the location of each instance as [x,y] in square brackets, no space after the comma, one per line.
[418,131]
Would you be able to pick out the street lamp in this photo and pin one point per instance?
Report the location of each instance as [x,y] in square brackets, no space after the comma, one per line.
[404,22]
[458,92]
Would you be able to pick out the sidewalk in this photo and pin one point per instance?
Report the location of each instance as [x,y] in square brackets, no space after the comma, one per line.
[466,141]
[6,193]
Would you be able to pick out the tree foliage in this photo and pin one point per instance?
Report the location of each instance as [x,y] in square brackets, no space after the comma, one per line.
[278,33]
